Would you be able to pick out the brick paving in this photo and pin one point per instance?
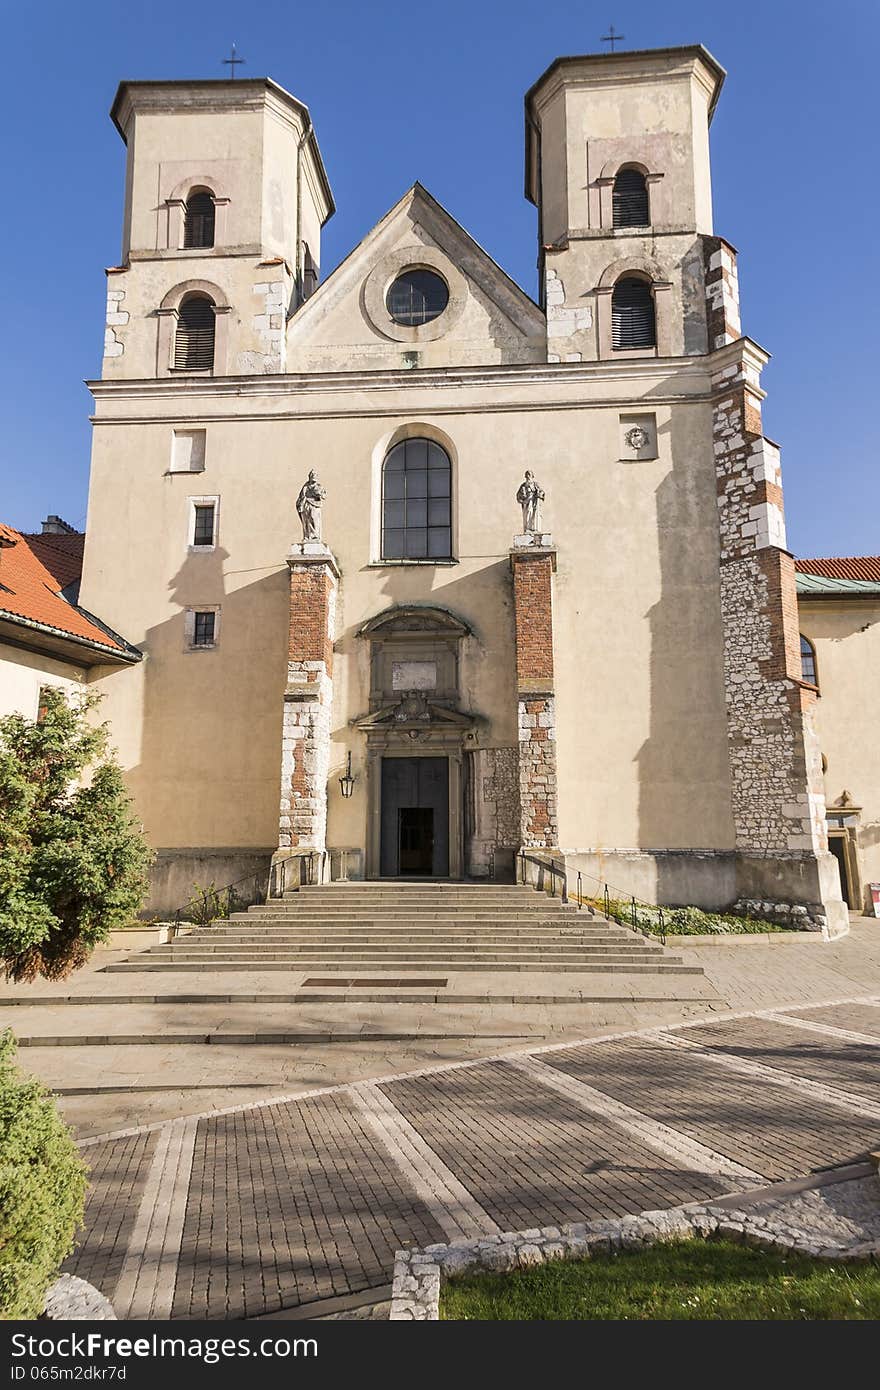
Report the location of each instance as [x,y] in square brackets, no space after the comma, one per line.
[770,1129]
[849,1065]
[860,1018]
[530,1157]
[291,1204]
[119,1171]
[303,1199]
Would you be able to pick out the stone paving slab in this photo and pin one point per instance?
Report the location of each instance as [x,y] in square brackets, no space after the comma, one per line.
[776,1132]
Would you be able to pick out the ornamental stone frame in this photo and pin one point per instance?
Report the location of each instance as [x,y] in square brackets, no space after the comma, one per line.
[415,724]
[175,206]
[658,212]
[661,289]
[383,274]
[167,315]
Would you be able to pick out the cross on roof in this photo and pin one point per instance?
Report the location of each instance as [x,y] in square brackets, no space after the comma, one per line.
[232,62]
[612,37]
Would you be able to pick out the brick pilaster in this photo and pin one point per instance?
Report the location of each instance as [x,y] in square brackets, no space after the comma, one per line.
[777,794]
[533,568]
[305,739]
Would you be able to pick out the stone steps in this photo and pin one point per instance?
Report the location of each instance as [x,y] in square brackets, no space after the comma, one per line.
[139,964]
[396,929]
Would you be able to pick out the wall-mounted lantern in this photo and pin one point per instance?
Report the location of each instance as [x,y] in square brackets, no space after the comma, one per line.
[346,781]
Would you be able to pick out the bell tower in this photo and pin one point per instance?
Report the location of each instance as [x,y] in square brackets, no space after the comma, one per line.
[617,163]
[225,198]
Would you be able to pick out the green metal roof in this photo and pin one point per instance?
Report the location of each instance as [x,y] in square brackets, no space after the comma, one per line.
[849,588]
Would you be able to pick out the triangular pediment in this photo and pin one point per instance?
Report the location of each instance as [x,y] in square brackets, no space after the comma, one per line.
[346,323]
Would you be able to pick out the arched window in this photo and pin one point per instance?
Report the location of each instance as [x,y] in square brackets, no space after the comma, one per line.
[632,315]
[416,502]
[629,200]
[198,225]
[194,339]
[808,661]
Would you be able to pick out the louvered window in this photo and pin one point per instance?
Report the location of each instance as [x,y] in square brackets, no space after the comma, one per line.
[632,315]
[198,229]
[416,502]
[808,661]
[629,200]
[194,340]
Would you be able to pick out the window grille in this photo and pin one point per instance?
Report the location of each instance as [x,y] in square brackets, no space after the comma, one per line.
[417,502]
[417,297]
[203,629]
[629,200]
[203,524]
[194,339]
[632,315]
[198,225]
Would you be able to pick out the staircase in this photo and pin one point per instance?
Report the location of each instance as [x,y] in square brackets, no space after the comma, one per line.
[402,928]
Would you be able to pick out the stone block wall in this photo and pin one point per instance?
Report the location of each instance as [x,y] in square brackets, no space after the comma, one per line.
[305,738]
[494,809]
[722,292]
[775,764]
[536,715]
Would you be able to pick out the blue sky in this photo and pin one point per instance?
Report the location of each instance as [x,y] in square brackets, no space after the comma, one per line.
[399,91]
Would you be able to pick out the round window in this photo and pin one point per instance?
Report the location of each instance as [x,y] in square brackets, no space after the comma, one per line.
[417,297]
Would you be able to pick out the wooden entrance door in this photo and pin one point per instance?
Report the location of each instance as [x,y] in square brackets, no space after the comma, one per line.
[415,817]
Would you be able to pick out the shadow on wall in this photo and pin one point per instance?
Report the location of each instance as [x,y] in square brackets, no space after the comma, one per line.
[210,763]
[684,777]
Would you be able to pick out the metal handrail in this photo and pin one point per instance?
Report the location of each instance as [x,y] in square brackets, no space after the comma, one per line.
[610,896]
[311,865]
[545,863]
[230,892]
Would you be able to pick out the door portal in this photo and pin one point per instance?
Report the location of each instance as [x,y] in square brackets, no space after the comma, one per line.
[415,817]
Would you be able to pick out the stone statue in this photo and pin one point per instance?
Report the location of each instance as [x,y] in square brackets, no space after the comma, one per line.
[308,507]
[530,496]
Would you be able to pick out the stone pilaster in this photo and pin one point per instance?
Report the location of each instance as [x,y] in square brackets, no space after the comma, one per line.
[533,560]
[305,739]
[722,292]
[775,764]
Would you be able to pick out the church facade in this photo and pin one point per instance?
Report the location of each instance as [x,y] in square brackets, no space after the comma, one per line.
[424,571]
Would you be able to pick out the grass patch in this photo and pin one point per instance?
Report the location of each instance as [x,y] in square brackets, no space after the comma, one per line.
[689,1280]
[683,921]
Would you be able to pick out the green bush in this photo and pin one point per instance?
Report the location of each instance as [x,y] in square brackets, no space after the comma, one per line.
[682,921]
[73,862]
[42,1189]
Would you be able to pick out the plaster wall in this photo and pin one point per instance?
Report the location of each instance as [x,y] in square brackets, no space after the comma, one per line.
[846,636]
[640,712]
[23,674]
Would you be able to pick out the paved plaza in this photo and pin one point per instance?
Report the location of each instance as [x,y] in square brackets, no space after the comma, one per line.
[258,1146]
[292,1203]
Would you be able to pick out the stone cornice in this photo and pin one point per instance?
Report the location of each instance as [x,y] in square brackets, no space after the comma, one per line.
[695,370]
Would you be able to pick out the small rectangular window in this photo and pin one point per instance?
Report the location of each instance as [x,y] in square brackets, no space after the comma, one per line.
[203,629]
[203,528]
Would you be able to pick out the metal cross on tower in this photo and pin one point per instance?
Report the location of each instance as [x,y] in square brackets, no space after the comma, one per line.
[612,37]
[233,62]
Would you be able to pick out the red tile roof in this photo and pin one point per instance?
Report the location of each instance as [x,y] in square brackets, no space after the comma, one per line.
[861,567]
[33,571]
